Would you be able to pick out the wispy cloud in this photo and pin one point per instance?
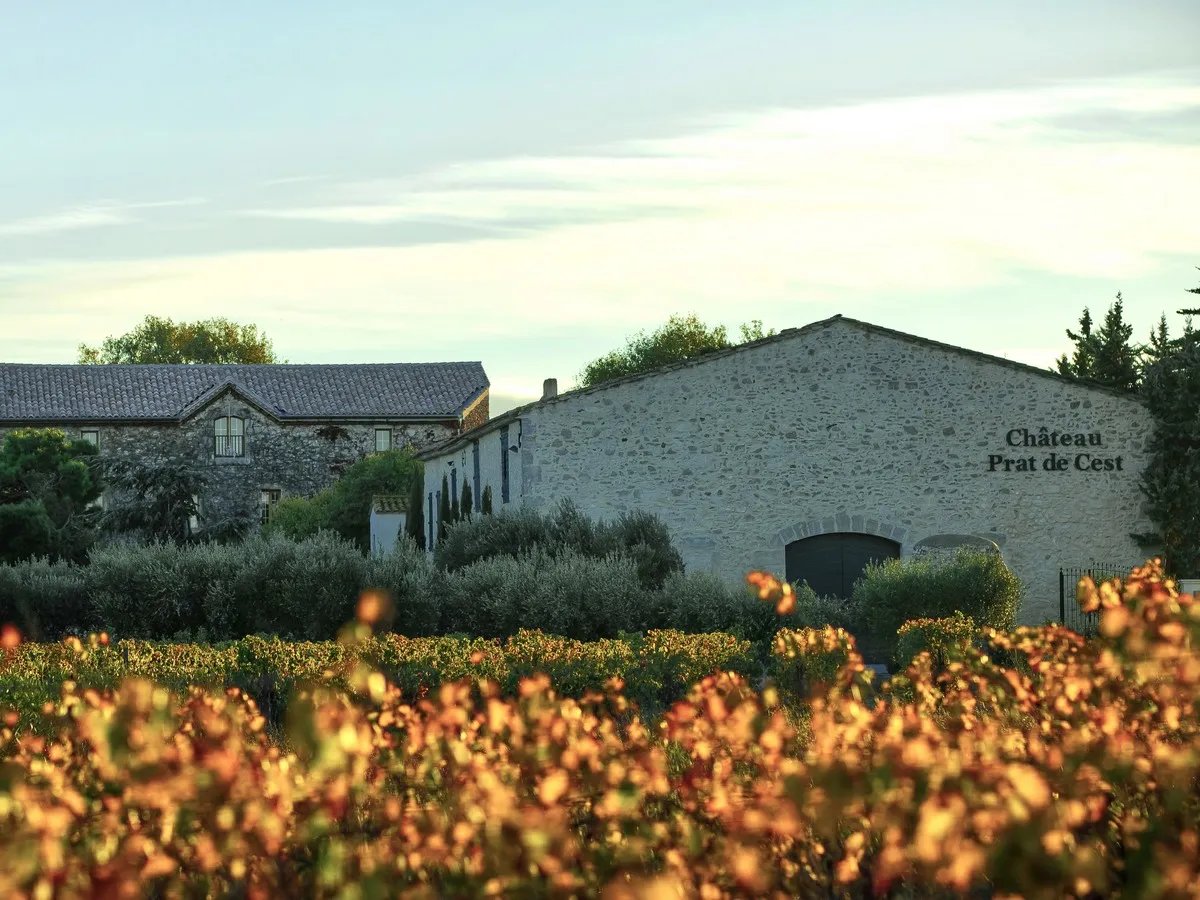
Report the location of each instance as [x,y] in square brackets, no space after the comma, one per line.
[937,188]
[83,217]
[836,208]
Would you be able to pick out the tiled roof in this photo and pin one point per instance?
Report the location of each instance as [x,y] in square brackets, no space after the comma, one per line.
[47,393]
[390,503]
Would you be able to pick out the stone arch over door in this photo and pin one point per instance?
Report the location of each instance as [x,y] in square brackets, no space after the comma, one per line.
[842,522]
[879,540]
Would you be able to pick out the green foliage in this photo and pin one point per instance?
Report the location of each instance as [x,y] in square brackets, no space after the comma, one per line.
[414,523]
[345,507]
[640,537]
[443,511]
[159,340]
[298,518]
[392,472]
[978,584]
[1166,374]
[47,486]
[304,589]
[1106,356]
[45,599]
[944,639]
[485,504]
[155,502]
[681,338]
[1171,479]
[466,510]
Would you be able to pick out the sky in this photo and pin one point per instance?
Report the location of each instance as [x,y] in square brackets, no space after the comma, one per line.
[529,184]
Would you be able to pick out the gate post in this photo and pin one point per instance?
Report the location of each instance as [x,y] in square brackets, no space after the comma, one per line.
[1062,596]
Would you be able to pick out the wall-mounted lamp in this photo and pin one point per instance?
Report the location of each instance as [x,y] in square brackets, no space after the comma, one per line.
[514,448]
[450,463]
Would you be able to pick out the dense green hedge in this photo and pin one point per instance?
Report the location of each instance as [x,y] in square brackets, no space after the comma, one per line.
[637,536]
[306,590]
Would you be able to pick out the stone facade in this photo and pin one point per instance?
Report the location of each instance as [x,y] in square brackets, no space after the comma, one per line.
[837,427]
[295,459]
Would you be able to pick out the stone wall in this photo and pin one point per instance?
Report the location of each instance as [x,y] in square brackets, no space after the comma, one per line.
[845,428]
[295,459]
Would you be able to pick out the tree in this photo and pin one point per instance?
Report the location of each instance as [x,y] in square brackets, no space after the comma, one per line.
[345,506]
[1082,361]
[443,509]
[681,338]
[48,488]
[159,340]
[466,509]
[485,502]
[1171,480]
[160,502]
[1116,361]
[455,509]
[414,523]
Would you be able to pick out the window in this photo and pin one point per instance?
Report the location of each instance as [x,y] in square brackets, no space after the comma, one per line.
[229,434]
[383,440]
[91,435]
[504,465]
[268,498]
[478,494]
[429,520]
[194,520]
[453,485]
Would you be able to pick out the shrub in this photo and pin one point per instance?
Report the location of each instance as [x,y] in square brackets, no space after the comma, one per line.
[413,585]
[944,639]
[640,537]
[298,518]
[568,595]
[979,585]
[585,598]
[45,599]
[303,589]
[345,508]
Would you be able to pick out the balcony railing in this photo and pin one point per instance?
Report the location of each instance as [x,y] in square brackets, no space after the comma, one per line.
[230,445]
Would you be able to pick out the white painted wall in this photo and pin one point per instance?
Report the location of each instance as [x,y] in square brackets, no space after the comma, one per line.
[490,470]
[385,530]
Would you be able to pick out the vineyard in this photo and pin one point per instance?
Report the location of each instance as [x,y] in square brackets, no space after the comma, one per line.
[444,767]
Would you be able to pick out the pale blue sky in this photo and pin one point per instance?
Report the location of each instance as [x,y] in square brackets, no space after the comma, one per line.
[528,183]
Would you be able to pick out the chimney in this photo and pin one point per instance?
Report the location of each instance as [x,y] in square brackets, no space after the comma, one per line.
[549,388]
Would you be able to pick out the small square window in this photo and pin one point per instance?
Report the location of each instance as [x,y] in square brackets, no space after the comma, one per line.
[91,435]
[383,440]
[194,520]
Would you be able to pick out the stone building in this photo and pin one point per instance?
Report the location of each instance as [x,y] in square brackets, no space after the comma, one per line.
[812,451]
[258,432]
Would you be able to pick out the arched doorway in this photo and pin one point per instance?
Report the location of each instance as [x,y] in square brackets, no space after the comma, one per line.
[831,563]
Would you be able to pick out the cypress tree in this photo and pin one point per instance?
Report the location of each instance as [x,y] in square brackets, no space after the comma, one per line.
[485,505]
[466,509]
[1116,361]
[414,524]
[443,509]
[1081,363]
[455,509]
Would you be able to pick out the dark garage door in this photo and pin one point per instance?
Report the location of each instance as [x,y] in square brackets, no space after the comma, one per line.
[831,563]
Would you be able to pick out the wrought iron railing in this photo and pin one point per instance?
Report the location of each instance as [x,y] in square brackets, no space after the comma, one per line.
[230,445]
[1069,612]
